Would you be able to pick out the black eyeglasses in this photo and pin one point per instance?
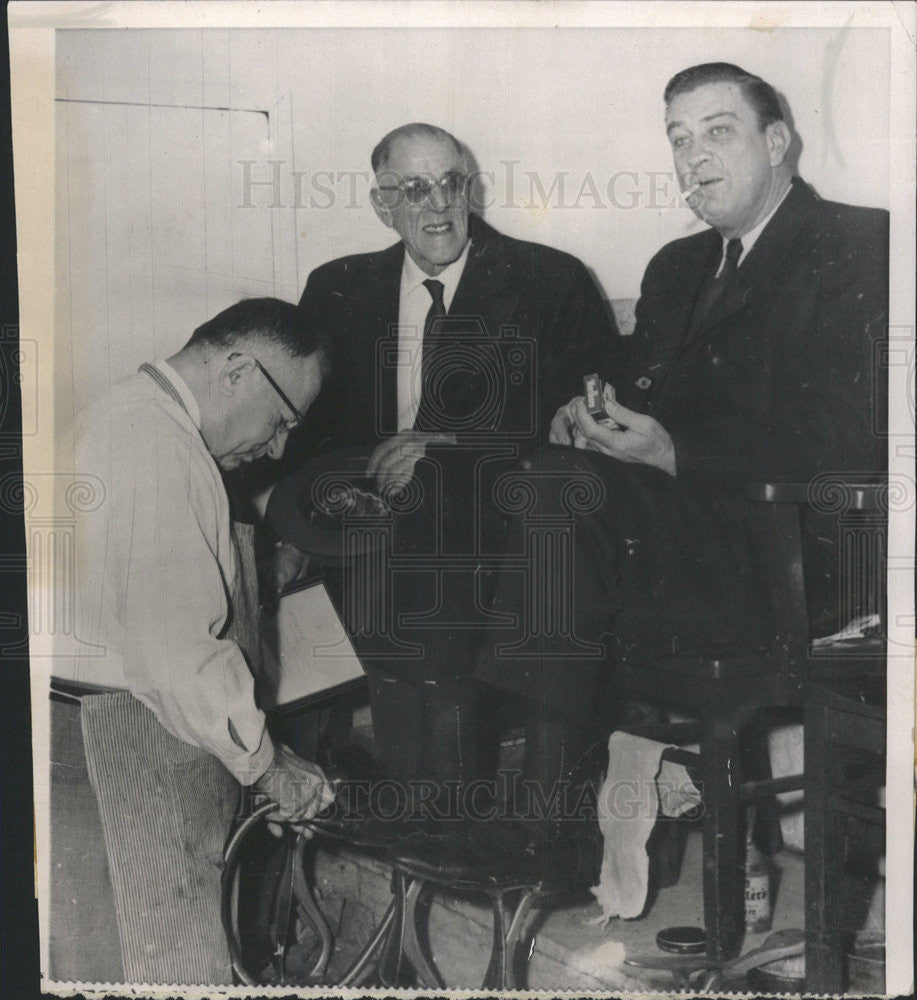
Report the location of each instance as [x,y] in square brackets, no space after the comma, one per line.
[418,189]
[288,424]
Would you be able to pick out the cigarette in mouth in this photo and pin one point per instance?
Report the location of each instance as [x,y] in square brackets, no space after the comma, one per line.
[688,191]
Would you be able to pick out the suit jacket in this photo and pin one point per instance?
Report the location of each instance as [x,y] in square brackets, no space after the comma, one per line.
[527,322]
[782,378]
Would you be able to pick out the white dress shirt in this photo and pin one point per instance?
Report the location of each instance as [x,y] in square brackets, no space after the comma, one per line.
[413,305]
[751,237]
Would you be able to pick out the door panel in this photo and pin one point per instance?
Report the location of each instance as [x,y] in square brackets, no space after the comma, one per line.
[151,238]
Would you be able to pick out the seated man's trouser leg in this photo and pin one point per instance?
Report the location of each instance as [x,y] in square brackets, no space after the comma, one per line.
[423,702]
[639,561]
[424,710]
[167,809]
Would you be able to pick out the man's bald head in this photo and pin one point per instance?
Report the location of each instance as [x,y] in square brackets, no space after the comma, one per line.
[421,191]
[408,133]
[254,369]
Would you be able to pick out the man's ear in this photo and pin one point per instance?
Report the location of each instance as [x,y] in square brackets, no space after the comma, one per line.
[778,142]
[236,368]
[385,214]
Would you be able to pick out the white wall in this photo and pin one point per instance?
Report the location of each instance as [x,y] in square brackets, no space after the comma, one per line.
[586,103]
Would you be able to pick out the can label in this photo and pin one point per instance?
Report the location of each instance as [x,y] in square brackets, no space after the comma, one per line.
[758,914]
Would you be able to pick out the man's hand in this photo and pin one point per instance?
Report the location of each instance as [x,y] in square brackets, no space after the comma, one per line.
[563,426]
[393,461]
[288,565]
[640,438]
[299,788]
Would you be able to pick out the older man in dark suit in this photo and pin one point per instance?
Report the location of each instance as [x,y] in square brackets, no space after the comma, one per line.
[754,357]
[450,351]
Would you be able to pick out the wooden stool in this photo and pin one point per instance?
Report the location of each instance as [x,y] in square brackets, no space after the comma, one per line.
[396,944]
[405,944]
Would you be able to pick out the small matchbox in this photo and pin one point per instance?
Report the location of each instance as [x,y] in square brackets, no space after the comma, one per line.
[597,394]
[592,390]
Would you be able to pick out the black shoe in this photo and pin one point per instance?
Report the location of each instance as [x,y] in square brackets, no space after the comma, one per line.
[562,858]
[361,816]
[478,857]
[382,814]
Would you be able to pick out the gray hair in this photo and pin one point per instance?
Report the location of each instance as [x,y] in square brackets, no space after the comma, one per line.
[413,130]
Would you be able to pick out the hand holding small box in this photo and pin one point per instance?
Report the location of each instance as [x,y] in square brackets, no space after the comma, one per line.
[597,396]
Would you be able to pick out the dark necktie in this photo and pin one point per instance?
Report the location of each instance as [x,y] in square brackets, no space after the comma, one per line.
[427,361]
[716,286]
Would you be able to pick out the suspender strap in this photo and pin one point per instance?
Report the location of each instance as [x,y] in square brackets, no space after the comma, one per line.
[157,376]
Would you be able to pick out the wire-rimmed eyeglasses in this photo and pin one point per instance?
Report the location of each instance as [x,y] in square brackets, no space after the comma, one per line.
[418,189]
[288,424]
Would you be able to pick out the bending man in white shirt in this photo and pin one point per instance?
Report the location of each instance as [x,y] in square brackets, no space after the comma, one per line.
[164,590]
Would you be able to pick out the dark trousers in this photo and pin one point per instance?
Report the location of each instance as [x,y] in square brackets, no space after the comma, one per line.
[530,575]
[417,613]
[605,557]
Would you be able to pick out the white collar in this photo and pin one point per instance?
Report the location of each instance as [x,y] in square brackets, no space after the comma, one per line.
[181,387]
[412,276]
[751,237]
